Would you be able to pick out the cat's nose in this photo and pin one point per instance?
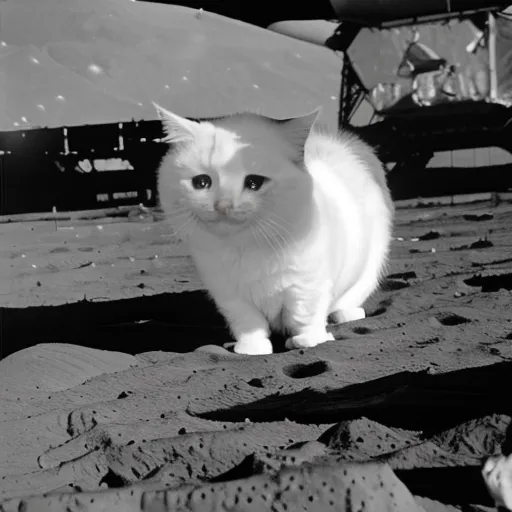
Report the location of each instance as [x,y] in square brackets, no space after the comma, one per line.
[223,205]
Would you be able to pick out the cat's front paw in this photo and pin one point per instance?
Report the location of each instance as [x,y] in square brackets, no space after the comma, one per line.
[348,315]
[308,339]
[253,346]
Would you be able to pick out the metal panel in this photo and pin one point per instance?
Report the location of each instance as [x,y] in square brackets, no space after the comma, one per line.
[374,12]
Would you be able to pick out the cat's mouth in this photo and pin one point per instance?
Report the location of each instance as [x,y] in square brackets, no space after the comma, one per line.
[224,219]
[224,225]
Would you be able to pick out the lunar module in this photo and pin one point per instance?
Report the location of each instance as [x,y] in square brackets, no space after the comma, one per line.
[437,74]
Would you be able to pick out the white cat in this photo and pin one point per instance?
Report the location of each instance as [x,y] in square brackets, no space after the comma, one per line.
[286,225]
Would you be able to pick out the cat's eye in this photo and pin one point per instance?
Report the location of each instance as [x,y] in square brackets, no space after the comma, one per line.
[254,181]
[201,181]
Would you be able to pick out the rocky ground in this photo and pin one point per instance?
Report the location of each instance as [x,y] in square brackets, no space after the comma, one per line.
[398,413]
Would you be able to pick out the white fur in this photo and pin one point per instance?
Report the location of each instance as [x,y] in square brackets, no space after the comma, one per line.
[497,474]
[312,241]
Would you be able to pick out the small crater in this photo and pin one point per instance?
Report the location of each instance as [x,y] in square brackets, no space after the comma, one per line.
[256,383]
[459,247]
[451,319]
[390,285]
[428,341]
[491,283]
[113,480]
[85,249]
[58,250]
[382,308]
[482,243]
[478,217]
[403,275]
[361,330]
[431,235]
[303,371]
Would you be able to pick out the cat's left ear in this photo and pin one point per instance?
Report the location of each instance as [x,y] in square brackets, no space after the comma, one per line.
[177,129]
[297,129]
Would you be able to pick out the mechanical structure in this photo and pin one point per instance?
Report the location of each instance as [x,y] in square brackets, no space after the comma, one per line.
[437,74]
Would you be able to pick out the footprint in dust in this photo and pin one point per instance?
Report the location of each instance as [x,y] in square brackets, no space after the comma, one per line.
[405,276]
[361,330]
[490,283]
[303,371]
[256,383]
[381,308]
[391,285]
[451,319]
[431,235]
[58,250]
[478,217]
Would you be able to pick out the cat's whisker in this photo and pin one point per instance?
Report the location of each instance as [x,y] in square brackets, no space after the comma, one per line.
[278,226]
[182,235]
[177,216]
[173,219]
[255,233]
[271,228]
[175,212]
[270,238]
[278,217]
[260,230]
[273,233]
[251,229]
[290,237]
[189,223]
[278,220]
[171,213]
[188,233]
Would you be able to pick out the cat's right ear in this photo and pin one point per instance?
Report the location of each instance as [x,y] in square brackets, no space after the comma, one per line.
[176,128]
[297,129]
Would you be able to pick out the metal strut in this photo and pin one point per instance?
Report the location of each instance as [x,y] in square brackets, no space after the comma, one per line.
[351,93]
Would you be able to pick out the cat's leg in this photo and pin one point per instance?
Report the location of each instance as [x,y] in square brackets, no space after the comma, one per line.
[306,319]
[310,337]
[248,326]
[348,307]
[340,316]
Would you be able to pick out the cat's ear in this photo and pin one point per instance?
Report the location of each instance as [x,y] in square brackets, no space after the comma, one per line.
[176,128]
[297,129]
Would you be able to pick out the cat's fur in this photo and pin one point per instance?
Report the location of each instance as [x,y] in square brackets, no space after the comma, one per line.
[312,241]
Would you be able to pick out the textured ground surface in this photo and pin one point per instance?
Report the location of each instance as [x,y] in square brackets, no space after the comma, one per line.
[397,414]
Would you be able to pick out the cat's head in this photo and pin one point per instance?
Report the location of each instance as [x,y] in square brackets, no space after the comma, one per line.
[229,173]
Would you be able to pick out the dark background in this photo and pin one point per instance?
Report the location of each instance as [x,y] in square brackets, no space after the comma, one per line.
[263,13]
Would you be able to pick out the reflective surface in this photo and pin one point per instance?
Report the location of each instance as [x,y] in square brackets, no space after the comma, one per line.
[72,62]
